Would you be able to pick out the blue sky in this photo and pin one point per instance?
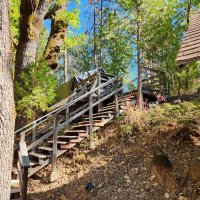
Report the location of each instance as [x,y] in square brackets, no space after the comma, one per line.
[85,22]
[82,16]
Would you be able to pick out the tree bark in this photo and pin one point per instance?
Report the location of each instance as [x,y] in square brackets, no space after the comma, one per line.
[7,109]
[188,22]
[95,42]
[101,27]
[66,65]
[31,22]
[139,93]
[56,39]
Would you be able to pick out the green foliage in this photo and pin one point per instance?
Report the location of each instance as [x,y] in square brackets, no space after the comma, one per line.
[73,41]
[35,91]
[131,87]
[188,74]
[14,12]
[79,158]
[126,129]
[162,25]
[162,119]
[42,43]
[71,17]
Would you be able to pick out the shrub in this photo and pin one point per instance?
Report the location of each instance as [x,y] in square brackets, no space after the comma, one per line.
[126,129]
[35,91]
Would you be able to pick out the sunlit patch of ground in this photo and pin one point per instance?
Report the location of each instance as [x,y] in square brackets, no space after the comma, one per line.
[152,155]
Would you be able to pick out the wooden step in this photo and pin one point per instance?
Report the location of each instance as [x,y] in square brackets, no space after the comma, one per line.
[79,139]
[15,190]
[97,123]
[38,155]
[96,128]
[49,149]
[33,163]
[59,142]
[15,183]
[127,96]
[102,124]
[109,106]
[83,134]
[120,102]
[106,109]
[74,131]
[97,117]
[69,136]
[86,122]
[67,146]
[103,113]
[80,125]
[14,170]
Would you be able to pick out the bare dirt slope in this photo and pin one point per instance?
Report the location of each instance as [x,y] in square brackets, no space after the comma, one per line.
[133,166]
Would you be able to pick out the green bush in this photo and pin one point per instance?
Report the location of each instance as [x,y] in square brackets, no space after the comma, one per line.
[126,129]
[35,91]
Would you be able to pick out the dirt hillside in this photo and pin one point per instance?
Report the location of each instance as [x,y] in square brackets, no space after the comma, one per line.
[129,164]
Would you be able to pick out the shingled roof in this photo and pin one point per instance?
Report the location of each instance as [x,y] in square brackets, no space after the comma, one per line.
[190,48]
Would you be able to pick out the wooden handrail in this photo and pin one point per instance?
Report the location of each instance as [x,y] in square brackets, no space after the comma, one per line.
[49,134]
[24,154]
[55,112]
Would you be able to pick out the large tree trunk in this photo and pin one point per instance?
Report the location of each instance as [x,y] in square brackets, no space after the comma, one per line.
[31,22]
[7,109]
[57,36]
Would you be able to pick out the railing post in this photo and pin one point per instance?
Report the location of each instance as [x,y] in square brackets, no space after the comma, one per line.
[92,145]
[99,91]
[25,183]
[24,168]
[67,116]
[116,100]
[22,138]
[54,156]
[34,134]
[121,85]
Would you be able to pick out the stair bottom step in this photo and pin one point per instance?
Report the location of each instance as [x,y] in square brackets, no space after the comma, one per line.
[15,190]
[66,146]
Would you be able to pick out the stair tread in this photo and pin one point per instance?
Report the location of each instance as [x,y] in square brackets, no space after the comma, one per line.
[15,190]
[127,96]
[59,142]
[97,117]
[80,125]
[106,109]
[68,136]
[45,148]
[15,183]
[38,155]
[33,163]
[75,131]
[83,134]
[79,139]
[67,146]
[14,170]
[88,121]
[101,113]
[109,106]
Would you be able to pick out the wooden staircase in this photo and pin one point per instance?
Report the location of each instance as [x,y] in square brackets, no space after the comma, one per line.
[84,112]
